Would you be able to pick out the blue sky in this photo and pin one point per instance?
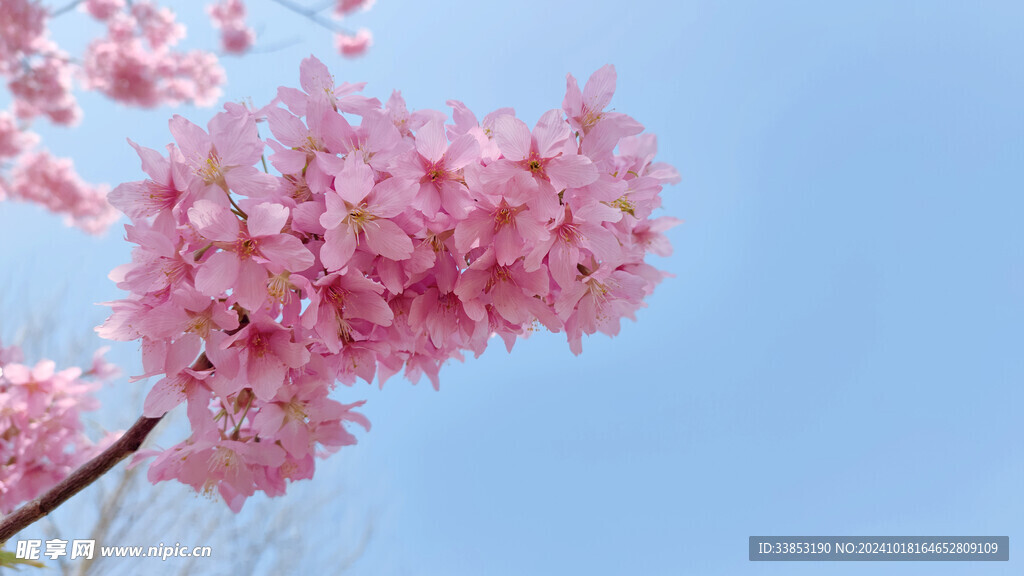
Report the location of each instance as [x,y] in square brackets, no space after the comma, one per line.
[837,354]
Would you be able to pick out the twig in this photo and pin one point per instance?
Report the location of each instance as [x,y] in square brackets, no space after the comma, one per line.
[112,503]
[65,9]
[314,16]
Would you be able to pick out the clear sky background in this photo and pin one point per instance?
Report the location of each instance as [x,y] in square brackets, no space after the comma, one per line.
[839,352]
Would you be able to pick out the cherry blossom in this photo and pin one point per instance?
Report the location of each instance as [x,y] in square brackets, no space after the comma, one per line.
[136,62]
[43,436]
[386,241]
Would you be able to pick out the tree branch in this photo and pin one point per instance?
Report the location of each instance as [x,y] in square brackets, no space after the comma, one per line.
[88,473]
[128,443]
[314,16]
[65,9]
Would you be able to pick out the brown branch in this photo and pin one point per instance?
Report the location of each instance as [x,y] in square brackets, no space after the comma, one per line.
[128,443]
[91,471]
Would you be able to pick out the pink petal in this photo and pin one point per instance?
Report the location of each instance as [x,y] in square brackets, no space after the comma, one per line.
[571,172]
[335,212]
[193,141]
[286,251]
[249,181]
[431,141]
[291,353]
[562,261]
[392,197]
[573,101]
[384,237]
[314,77]
[181,353]
[463,150]
[354,182]
[213,221]
[513,137]
[507,245]
[372,308]
[166,394]
[605,135]
[508,300]
[217,274]
[478,226]
[599,89]
[550,132]
[266,219]
[153,163]
[287,128]
[251,289]
[455,199]
[338,249]
[499,172]
[288,161]
[266,375]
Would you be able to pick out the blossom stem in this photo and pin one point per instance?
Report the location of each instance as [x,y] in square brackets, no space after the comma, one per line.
[199,253]
[91,471]
[88,473]
[238,210]
[238,425]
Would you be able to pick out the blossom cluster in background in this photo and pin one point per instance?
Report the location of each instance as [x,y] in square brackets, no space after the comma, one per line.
[137,62]
[43,438]
[228,16]
[393,244]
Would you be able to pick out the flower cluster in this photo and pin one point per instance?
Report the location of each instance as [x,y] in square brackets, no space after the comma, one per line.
[52,182]
[228,16]
[395,243]
[41,434]
[137,62]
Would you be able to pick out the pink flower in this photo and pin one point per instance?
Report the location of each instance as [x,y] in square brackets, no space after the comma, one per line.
[509,288]
[53,182]
[505,221]
[21,30]
[42,437]
[267,352]
[585,109]
[42,87]
[355,45]
[573,235]
[345,308]
[136,62]
[392,242]
[147,198]
[548,153]
[226,155]
[598,302]
[437,167]
[360,211]
[245,250]
[14,140]
[103,9]
[229,17]
[344,7]
[318,83]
